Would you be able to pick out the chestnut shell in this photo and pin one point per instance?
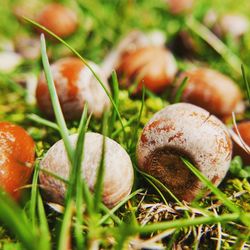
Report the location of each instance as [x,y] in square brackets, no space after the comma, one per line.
[191,132]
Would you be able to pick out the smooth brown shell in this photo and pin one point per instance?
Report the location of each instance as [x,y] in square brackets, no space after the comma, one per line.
[244,130]
[189,131]
[59,19]
[75,85]
[151,66]
[212,91]
[17,156]
[180,6]
[118,173]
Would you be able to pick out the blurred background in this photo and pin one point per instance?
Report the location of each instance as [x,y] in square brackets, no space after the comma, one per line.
[101,24]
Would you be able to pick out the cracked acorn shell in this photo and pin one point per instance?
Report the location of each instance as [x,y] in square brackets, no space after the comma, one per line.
[118,173]
[152,66]
[75,84]
[191,132]
[212,91]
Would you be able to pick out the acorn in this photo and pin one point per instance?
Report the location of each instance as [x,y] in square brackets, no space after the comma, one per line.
[59,19]
[152,66]
[28,47]
[212,91]
[234,24]
[180,6]
[238,148]
[17,155]
[75,84]
[118,169]
[184,130]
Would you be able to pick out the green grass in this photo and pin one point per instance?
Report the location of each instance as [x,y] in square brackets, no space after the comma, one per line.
[86,222]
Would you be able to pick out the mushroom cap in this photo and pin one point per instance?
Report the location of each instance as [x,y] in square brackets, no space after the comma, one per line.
[153,66]
[212,91]
[59,19]
[118,173]
[236,25]
[17,155]
[75,85]
[244,130]
[189,131]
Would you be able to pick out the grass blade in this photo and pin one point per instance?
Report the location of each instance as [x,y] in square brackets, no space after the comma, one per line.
[43,226]
[135,135]
[207,35]
[220,195]
[157,189]
[245,81]
[101,169]
[180,90]
[159,184]
[64,237]
[116,100]
[15,219]
[42,121]
[181,223]
[78,185]
[114,209]
[33,199]
[55,101]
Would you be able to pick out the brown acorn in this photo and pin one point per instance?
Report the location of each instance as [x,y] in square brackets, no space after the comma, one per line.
[17,156]
[184,130]
[57,18]
[212,91]
[151,66]
[180,6]
[75,85]
[238,148]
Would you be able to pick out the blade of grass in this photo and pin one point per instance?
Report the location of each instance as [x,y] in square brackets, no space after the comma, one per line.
[65,227]
[106,210]
[180,90]
[203,32]
[101,169]
[161,185]
[182,223]
[78,155]
[245,81]
[14,218]
[127,124]
[85,62]
[80,149]
[55,101]
[44,233]
[42,121]
[220,195]
[115,86]
[33,198]
[77,183]
[114,209]
[157,189]
[135,133]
